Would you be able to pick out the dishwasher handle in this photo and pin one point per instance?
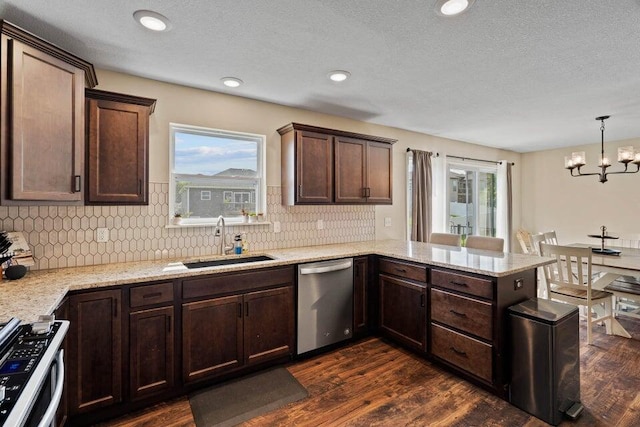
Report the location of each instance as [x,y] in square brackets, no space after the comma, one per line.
[328,267]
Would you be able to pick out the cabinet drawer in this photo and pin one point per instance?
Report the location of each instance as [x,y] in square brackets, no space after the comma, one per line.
[462,313]
[150,294]
[462,351]
[404,270]
[462,283]
[226,283]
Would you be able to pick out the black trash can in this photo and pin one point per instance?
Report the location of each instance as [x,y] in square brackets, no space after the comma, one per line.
[545,359]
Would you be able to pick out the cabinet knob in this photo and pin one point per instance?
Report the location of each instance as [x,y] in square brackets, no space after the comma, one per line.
[77,183]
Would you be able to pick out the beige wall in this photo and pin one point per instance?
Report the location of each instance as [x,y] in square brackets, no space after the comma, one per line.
[575,207]
[185,105]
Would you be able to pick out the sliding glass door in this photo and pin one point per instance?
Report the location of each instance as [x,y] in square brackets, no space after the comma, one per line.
[472,200]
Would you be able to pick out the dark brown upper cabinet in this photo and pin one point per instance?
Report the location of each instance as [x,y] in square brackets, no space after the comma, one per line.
[42,120]
[328,166]
[117,134]
[362,171]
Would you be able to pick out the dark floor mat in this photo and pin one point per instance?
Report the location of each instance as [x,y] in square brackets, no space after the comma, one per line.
[239,400]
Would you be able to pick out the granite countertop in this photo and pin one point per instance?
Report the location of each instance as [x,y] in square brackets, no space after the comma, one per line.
[40,292]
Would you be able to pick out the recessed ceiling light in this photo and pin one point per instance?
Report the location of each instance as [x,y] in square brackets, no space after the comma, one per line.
[231,81]
[339,75]
[152,20]
[452,7]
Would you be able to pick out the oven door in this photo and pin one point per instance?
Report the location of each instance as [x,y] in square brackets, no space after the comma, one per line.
[43,412]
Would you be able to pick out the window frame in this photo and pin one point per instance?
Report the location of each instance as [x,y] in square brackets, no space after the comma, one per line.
[261,188]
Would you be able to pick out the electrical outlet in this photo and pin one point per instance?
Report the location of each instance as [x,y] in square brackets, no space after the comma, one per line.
[320,224]
[102,235]
[276,227]
[387,221]
[518,284]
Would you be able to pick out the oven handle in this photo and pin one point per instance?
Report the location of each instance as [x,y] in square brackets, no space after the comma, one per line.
[49,416]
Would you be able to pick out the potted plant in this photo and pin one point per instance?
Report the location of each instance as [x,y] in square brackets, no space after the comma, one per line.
[245,215]
[252,217]
[177,218]
[260,217]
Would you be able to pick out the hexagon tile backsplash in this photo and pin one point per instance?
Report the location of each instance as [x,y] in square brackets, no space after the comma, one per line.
[65,236]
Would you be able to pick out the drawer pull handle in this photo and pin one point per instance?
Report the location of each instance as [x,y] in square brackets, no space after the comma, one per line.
[422,300]
[457,313]
[152,295]
[453,282]
[401,270]
[458,352]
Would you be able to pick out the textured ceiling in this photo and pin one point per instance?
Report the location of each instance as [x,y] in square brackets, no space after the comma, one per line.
[514,74]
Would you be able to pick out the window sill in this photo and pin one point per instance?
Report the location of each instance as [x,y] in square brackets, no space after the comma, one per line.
[213,224]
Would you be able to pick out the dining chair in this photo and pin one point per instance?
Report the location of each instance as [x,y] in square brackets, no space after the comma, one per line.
[524,238]
[445,239]
[550,237]
[486,243]
[630,241]
[570,280]
[626,305]
[536,239]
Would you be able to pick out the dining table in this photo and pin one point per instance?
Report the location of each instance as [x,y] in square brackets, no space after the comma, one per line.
[625,265]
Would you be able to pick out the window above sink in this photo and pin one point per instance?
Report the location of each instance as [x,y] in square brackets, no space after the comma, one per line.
[215,172]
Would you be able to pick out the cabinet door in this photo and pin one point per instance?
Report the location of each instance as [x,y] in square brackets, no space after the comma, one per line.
[268,324]
[403,311]
[350,170]
[117,143]
[379,173]
[211,337]
[360,296]
[95,350]
[314,168]
[47,126]
[152,355]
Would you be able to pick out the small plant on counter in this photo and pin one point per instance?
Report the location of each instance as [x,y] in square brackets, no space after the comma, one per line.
[177,218]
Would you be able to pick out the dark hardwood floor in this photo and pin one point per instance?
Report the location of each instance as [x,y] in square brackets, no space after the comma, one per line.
[374,382]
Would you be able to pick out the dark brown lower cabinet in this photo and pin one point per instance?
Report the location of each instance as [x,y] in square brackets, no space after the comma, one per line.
[152,351]
[268,325]
[403,312]
[94,374]
[222,334]
[211,337]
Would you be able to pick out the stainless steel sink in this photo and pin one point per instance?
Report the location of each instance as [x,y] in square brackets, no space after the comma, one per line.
[227,261]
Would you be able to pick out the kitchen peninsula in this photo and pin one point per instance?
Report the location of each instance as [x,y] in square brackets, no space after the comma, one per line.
[155,326]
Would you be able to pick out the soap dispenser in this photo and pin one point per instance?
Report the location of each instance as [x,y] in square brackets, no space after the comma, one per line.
[237,245]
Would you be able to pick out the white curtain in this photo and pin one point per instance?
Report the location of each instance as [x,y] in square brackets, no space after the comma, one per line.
[504,209]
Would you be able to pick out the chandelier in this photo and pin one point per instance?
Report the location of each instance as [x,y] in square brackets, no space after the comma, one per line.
[626,155]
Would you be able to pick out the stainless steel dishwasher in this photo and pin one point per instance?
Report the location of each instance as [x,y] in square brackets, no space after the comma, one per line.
[325,303]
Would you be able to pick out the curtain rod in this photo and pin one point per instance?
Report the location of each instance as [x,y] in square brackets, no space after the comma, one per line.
[478,160]
[432,154]
[467,158]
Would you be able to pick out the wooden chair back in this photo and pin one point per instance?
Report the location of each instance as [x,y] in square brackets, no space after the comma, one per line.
[536,239]
[486,243]
[570,279]
[445,239]
[571,270]
[524,238]
[630,241]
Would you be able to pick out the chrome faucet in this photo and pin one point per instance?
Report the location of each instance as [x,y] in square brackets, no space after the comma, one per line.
[224,248]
